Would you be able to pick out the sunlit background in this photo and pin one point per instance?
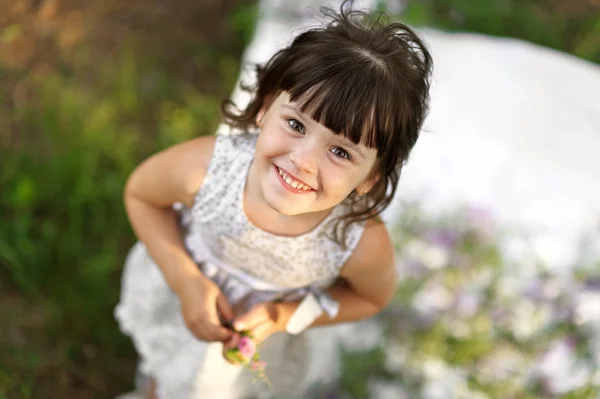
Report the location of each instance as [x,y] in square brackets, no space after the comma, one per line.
[496,223]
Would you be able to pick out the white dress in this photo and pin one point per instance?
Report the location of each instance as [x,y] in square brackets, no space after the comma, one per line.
[251,266]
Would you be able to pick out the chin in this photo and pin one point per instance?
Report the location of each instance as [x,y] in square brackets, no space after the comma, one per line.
[280,204]
[283,209]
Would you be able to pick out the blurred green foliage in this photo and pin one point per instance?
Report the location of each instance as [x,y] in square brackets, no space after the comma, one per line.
[64,233]
[70,136]
[571,26]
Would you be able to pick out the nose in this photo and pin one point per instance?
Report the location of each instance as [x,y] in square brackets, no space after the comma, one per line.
[304,156]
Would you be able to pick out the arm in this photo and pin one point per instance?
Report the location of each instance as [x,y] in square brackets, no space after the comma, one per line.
[369,278]
[369,282]
[175,175]
[171,176]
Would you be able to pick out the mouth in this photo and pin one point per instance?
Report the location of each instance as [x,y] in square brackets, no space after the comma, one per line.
[291,183]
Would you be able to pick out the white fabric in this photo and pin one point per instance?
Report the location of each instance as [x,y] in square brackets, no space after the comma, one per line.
[514,128]
[250,266]
[308,311]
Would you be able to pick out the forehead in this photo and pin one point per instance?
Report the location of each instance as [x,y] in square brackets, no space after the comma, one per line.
[284,101]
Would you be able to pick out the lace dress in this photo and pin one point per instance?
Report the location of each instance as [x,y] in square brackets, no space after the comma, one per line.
[250,266]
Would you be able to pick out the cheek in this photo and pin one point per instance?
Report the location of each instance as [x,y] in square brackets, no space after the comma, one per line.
[339,182]
[272,143]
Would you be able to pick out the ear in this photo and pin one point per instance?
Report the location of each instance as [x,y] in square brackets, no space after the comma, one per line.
[263,110]
[366,186]
[260,116]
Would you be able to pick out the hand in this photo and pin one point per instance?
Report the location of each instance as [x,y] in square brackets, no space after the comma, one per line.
[260,322]
[203,306]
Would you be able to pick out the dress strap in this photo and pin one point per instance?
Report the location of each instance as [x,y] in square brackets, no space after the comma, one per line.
[232,155]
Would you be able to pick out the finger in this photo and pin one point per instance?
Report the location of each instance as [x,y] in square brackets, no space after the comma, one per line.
[224,308]
[200,333]
[254,317]
[219,333]
[211,333]
[232,342]
[262,332]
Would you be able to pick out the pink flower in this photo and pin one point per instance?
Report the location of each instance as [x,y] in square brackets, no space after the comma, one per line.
[247,347]
[258,366]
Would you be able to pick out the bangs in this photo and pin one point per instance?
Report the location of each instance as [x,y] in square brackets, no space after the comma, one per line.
[363,78]
[352,99]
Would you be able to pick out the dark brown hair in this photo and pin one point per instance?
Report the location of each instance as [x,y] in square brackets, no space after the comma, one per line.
[361,77]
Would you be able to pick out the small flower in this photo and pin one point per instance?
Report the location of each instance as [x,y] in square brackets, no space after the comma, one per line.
[247,347]
[529,319]
[442,381]
[258,366]
[432,298]
[552,288]
[435,258]
[562,370]
[246,354]
[511,310]
[415,249]
[446,239]
[502,364]
[466,304]
[480,216]
[410,268]
[382,389]
[395,357]
[587,308]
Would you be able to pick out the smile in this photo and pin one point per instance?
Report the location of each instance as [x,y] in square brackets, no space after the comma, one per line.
[292,184]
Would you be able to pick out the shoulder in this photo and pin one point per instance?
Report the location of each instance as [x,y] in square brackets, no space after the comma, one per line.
[215,155]
[174,174]
[371,270]
[374,250]
[193,159]
[196,152]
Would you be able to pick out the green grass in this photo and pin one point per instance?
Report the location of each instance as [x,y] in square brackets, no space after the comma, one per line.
[70,145]
[569,26]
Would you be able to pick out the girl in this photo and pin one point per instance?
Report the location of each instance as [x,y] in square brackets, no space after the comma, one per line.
[271,226]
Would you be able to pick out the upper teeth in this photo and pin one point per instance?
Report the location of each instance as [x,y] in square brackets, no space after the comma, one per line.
[296,184]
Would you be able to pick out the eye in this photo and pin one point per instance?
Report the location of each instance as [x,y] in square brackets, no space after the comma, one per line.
[341,153]
[295,125]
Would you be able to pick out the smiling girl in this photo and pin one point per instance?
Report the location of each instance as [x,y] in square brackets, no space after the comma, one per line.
[271,226]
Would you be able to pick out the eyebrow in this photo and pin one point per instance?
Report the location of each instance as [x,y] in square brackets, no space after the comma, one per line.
[344,140]
[296,110]
[350,144]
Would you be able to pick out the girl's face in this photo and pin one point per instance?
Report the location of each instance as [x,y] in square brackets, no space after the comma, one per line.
[303,167]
